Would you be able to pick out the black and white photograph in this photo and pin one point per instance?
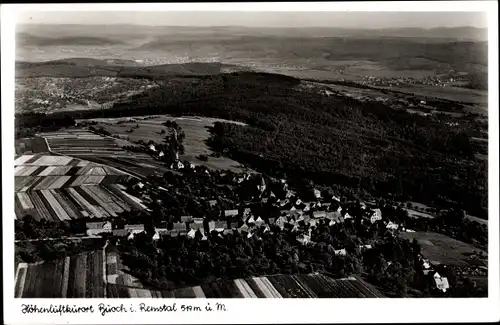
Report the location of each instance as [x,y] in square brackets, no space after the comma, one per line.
[251,154]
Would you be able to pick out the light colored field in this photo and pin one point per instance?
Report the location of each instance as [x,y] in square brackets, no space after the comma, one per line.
[450,93]
[441,249]
[195,129]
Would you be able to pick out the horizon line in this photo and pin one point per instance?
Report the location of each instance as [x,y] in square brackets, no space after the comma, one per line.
[253,27]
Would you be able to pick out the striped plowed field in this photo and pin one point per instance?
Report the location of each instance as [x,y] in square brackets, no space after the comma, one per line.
[79,276]
[95,201]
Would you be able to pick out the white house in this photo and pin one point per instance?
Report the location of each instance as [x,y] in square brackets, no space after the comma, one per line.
[191,233]
[317,193]
[230,213]
[259,222]
[152,147]
[347,216]
[392,225]
[441,282]
[340,252]
[95,228]
[376,216]
[161,154]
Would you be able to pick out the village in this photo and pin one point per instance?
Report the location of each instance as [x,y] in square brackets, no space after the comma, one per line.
[294,216]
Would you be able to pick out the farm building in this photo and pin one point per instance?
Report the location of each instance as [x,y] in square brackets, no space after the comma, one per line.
[96,228]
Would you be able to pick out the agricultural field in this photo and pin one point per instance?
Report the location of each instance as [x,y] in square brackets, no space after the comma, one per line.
[61,188]
[195,129]
[441,249]
[78,276]
[103,150]
[473,96]
[275,286]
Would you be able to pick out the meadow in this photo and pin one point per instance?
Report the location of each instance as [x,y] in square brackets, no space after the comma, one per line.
[441,249]
[195,129]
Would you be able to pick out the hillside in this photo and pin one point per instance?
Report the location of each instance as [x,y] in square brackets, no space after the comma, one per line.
[367,147]
[84,67]
[25,39]
[394,53]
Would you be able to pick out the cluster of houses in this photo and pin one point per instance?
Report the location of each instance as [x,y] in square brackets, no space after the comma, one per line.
[295,216]
[440,282]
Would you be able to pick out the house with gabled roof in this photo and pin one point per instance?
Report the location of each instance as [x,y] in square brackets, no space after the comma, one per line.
[259,222]
[218,226]
[178,226]
[198,220]
[251,220]
[212,203]
[95,228]
[347,216]
[271,221]
[195,226]
[191,233]
[243,228]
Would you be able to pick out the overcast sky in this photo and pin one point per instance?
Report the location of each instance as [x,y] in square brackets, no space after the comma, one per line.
[263,19]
